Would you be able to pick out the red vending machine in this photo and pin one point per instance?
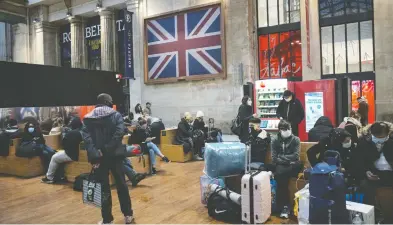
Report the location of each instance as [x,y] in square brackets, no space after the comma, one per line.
[318,99]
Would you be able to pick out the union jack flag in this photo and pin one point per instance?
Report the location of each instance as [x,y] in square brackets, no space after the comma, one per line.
[187,44]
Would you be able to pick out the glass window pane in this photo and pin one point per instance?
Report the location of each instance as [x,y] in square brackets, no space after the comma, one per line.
[340,61]
[365,5]
[296,53]
[263,57]
[338,7]
[351,6]
[353,47]
[274,56]
[368,92]
[366,46]
[262,13]
[295,11]
[325,8]
[327,50]
[285,53]
[3,44]
[273,13]
[355,94]
[284,11]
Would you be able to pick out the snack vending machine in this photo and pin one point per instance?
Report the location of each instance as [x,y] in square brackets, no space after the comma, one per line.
[268,94]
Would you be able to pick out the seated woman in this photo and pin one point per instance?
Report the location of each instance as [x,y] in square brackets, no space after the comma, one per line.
[33,133]
[260,141]
[154,127]
[338,140]
[140,136]
[71,138]
[352,125]
[321,129]
[285,155]
[184,136]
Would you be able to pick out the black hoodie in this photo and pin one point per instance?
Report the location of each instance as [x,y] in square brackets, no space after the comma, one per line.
[36,135]
[321,129]
[184,131]
[291,111]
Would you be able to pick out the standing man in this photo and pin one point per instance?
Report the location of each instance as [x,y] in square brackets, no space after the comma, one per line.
[291,110]
[147,110]
[106,129]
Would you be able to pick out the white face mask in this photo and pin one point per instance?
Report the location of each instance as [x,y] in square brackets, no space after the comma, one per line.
[286,134]
[347,145]
[249,102]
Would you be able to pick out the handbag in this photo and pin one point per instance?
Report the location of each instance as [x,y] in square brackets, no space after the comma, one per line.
[92,191]
[236,126]
[28,150]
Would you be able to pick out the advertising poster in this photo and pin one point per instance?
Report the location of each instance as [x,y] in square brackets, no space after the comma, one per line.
[313,108]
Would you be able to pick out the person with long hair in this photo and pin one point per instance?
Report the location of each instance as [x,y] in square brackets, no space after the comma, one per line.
[363,111]
[245,113]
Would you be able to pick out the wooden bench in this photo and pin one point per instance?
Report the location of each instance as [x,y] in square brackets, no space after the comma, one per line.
[18,166]
[53,141]
[175,153]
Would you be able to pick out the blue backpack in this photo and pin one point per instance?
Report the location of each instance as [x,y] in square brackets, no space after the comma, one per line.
[327,192]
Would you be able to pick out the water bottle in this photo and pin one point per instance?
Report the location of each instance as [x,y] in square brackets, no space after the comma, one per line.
[357,219]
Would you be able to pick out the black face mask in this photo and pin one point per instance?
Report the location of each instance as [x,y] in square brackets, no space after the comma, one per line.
[253,132]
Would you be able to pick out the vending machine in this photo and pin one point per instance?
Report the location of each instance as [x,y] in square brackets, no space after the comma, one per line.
[268,94]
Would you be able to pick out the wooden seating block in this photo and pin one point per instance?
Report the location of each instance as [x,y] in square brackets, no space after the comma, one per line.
[125,139]
[53,141]
[168,136]
[304,147]
[384,199]
[18,166]
[175,153]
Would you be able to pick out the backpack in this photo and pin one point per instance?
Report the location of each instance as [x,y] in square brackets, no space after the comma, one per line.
[327,193]
[78,183]
[236,126]
[222,209]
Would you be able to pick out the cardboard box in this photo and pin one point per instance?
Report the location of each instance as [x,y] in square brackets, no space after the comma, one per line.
[366,212]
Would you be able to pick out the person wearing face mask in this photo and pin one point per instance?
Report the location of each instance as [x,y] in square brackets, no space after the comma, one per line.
[291,110]
[260,141]
[376,148]
[245,114]
[285,149]
[184,136]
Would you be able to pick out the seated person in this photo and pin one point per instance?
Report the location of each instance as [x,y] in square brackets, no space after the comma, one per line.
[71,139]
[352,125]
[57,126]
[154,127]
[132,175]
[260,141]
[129,120]
[12,130]
[376,150]
[184,136]
[321,129]
[33,133]
[140,136]
[46,126]
[338,140]
[285,155]
[199,124]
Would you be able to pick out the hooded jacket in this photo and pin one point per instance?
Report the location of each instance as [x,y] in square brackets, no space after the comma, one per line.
[353,126]
[106,129]
[138,136]
[184,131]
[285,151]
[71,143]
[291,111]
[321,129]
[369,152]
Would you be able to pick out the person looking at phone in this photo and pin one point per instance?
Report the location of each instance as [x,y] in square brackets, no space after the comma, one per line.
[140,136]
[376,148]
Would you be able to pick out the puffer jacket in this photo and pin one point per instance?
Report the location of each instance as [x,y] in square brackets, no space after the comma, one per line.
[285,151]
[106,129]
[369,152]
[321,129]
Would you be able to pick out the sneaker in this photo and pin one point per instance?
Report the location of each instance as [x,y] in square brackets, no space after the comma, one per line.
[47,181]
[102,222]
[285,213]
[197,158]
[128,219]
[138,178]
[153,171]
[165,159]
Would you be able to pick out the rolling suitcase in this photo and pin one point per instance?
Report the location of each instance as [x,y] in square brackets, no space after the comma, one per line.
[256,194]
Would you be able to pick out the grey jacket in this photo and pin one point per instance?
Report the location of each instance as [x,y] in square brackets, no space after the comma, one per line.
[285,151]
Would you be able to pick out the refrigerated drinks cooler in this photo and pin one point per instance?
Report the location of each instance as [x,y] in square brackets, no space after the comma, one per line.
[268,94]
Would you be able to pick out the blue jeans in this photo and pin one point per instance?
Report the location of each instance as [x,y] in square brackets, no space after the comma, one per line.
[153,151]
[219,137]
[47,153]
[128,170]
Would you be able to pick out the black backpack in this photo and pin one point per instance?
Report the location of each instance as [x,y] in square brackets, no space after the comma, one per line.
[222,209]
[78,183]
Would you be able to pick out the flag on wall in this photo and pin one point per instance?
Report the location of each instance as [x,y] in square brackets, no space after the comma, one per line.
[185,44]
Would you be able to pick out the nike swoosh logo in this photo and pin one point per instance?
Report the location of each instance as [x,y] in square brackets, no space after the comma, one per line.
[221,211]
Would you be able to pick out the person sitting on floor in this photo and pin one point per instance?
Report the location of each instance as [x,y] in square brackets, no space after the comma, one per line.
[338,140]
[71,139]
[352,125]
[33,133]
[259,140]
[184,136]
[286,160]
[141,136]
[376,149]
[321,129]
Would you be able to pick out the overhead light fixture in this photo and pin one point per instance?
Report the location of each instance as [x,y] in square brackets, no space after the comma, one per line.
[99,4]
[69,14]
[36,20]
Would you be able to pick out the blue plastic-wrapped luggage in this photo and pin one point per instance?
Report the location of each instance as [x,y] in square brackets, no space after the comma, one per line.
[224,159]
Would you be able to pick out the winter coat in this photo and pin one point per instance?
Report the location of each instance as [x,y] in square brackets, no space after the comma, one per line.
[138,136]
[259,146]
[244,114]
[353,126]
[37,135]
[71,143]
[369,152]
[106,129]
[291,111]
[155,129]
[285,151]
[199,125]
[184,131]
[321,129]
